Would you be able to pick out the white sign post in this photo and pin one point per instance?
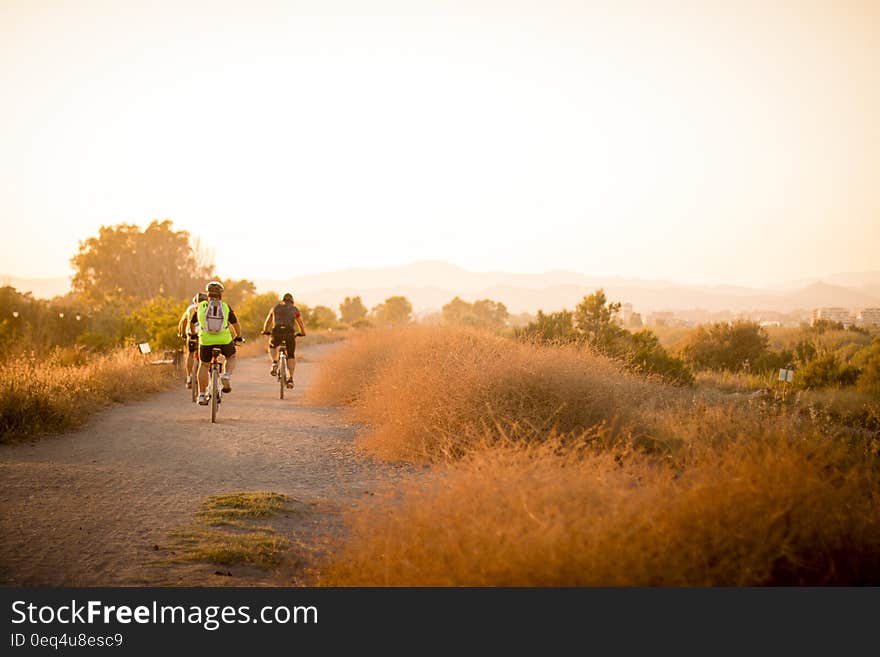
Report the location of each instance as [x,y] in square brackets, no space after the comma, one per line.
[786,376]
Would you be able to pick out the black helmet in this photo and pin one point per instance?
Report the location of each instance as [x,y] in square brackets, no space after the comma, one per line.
[287,297]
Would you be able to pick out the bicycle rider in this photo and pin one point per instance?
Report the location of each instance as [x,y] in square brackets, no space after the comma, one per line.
[210,312]
[281,323]
[192,339]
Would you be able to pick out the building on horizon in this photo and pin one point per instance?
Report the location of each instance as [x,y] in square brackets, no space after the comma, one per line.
[870,316]
[661,318]
[832,314]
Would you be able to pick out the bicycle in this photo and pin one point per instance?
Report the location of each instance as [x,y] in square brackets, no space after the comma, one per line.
[281,375]
[215,390]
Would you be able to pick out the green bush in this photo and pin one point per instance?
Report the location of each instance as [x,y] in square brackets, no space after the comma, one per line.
[825,371]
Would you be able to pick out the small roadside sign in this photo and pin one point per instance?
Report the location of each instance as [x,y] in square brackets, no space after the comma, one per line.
[144,347]
[786,375]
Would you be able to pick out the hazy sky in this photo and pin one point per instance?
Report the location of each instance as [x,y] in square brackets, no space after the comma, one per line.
[674,140]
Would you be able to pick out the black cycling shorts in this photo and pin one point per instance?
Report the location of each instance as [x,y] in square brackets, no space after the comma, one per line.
[192,344]
[206,351]
[286,336]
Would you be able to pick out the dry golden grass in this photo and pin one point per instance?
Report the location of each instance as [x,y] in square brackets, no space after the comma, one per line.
[430,394]
[751,513]
[63,387]
[551,467]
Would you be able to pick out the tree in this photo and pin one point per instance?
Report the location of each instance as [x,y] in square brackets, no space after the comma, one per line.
[321,317]
[236,292]
[825,371]
[491,314]
[124,263]
[549,328]
[352,309]
[456,311]
[594,318]
[642,352]
[485,313]
[155,321]
[252,312]
[724,346]
[394,310]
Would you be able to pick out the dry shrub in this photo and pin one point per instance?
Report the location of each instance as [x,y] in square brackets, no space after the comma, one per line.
[59,391]
[760,510]
[552,467]
[429,394]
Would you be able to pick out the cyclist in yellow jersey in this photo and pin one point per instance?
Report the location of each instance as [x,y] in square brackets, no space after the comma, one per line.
[192,340]
[218,328]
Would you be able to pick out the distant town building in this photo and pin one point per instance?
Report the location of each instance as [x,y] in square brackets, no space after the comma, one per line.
[626,311]
[662,318]
[869,316]
[832,314]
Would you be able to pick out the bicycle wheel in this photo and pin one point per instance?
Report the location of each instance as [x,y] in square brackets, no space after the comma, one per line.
[215,393]
[194,377]
[282,374]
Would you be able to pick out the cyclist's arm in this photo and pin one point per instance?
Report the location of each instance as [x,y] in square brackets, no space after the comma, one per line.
[302,327]
[181,325]
[270,318]
[236,330]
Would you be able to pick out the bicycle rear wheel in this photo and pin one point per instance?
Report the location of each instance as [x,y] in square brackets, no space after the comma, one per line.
[282,374]
[194,377]
[215,393]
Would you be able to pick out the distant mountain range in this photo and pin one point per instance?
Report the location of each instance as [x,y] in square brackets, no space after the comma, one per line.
[429,285]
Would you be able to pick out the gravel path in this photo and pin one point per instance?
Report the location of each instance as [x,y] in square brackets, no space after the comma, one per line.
[90,507]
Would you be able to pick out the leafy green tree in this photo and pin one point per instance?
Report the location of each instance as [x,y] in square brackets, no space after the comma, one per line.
[252,312]
[825,371]
[642,352]
[868,360]
[456,312]
[124,263]
[394,310]
[322,317]
[352,309]
[594,318]
[724,346]
[485,313]
[155,322]
[491,314]
[236,292]
[549,328]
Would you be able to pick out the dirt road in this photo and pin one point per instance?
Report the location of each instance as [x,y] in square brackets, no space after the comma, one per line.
[91,507]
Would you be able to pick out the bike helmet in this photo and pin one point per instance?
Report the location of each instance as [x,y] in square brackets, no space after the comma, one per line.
[198,298]
[214,286]
[287,297]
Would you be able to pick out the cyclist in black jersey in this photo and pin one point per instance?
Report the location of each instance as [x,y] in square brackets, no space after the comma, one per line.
[281,325]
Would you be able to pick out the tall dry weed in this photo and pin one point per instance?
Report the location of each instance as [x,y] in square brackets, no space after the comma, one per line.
[429,394]
[750,513]
[57,391]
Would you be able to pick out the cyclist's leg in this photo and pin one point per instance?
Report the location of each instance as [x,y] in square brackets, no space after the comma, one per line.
[291,357]
[204,361]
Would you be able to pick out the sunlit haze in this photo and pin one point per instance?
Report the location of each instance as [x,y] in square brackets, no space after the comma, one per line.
[734,143]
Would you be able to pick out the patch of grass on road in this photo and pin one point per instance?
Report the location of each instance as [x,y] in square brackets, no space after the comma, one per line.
[228,531]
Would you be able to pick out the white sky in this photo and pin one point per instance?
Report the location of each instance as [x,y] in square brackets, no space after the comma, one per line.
[651,139]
